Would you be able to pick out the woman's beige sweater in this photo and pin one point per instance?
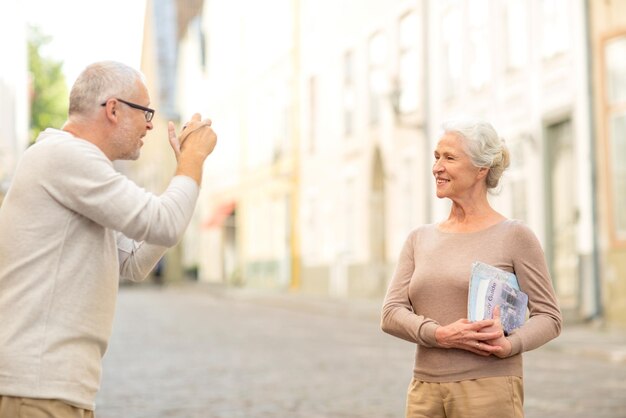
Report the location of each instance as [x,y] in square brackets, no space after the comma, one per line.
[430,286]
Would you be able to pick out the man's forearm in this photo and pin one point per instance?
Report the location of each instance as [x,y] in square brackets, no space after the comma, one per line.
[190,164]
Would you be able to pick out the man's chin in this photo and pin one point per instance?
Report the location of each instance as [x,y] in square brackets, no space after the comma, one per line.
[130,157]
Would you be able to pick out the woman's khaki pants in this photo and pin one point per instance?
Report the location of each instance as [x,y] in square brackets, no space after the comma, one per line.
[501,397]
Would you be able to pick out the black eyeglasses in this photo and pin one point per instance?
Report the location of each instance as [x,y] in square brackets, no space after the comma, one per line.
[148,113]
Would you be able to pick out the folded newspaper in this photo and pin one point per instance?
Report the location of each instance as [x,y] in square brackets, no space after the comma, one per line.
[490,287]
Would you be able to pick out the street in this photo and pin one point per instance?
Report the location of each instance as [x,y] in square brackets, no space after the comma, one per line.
[193,351]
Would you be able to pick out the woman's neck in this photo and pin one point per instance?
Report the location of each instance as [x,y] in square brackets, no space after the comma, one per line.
[470,217]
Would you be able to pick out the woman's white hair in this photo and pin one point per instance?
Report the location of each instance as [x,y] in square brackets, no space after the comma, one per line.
[483,145]
[99,82]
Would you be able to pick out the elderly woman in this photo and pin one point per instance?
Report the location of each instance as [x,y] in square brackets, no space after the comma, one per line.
[462,368]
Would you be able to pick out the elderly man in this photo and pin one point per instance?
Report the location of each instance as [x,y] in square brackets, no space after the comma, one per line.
[70,227]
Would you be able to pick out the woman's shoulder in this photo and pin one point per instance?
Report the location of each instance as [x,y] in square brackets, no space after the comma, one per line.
[516,225]
[519,231]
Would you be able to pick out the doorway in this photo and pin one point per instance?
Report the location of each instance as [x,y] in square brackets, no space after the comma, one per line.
[562,215]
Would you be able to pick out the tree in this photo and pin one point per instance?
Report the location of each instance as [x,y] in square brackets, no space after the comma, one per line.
[49,99]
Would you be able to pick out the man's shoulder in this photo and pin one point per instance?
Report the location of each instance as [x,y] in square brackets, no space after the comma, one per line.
[52,137]
[55,144]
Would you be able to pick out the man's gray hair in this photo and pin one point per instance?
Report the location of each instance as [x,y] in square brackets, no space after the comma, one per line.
[99,82]
[483,145]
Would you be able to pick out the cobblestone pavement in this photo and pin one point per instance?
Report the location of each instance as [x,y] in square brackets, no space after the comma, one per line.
[209,352]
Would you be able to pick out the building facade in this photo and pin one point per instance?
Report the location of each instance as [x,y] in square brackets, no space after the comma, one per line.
[377,83]
[159,63]
[525,70]
[14,91]
[238,66]
[328,113]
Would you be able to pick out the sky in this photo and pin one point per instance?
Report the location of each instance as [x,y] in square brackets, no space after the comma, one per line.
[85,31]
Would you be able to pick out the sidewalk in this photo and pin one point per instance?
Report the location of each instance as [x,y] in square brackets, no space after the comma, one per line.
[589,340]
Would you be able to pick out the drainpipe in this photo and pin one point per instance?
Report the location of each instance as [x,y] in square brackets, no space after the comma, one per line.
[597,291]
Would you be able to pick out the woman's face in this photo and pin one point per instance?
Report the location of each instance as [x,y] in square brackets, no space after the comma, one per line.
[455,175]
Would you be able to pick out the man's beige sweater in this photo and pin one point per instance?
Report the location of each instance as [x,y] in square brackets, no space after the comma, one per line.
[430,286]
[70,226]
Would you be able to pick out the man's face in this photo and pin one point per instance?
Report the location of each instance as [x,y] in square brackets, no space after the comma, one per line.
[128,138]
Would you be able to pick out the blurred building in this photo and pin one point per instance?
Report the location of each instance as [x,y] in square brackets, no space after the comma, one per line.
[162,30]
[523,66]
[327,113]
[14,91]
[238,65]
[608,44]
[378,81]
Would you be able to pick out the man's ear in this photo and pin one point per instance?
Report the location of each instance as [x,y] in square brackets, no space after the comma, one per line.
[111,111]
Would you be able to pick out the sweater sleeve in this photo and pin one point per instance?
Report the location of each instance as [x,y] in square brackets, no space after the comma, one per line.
[137,259]
[529,264]
[398,316]
[88,184]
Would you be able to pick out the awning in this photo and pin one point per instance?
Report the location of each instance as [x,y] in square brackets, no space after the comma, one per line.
[218,215]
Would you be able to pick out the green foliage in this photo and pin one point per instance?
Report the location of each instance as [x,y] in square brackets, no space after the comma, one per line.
[49,94]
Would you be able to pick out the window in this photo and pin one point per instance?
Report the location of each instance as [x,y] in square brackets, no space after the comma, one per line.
[311,228]
[351,207]
[616,70]
[261,116]
[618,150]
[479,59]
[312,114]
[452,34]
[408,68]
[555,28]
[615,64]
[377,77]
[349,100]
[270,109]
[517,177]
[516,19]
[283,123]
[408,193]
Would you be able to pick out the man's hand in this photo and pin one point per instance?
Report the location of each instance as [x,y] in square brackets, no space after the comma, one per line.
[476,337]
[197,140]
[174,142]
[198,133]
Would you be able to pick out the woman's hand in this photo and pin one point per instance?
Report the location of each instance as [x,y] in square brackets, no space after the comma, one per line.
[502,343]
[479,337]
